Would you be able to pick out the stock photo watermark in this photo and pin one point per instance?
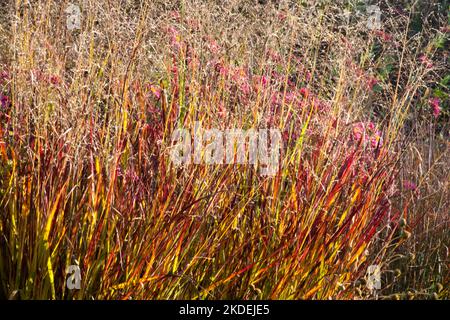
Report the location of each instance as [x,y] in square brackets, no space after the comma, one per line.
[73,19]
[373,278]
[260,148]
[374,19]
[73,274]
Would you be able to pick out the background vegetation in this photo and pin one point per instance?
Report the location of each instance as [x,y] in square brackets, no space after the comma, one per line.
[86,122]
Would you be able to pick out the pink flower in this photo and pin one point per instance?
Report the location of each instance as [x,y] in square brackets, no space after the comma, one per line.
[222,69]
[435,104]
[4,75]
[304,92]
[368,133]
[358,131]
[273,56]
[321,104]
[245,88]
[372,83]
[213,46]
[308,76]
[282,16]
[4,101]
[426,61]
[156,91]
[193,24]
[275,99]
[223,113]
[175,37]
[55,80]
[409,185]
[240,75]
[376,140]
[383,35]
[290,97]
[259,82]
[175,15]
[174,69]
[264,81]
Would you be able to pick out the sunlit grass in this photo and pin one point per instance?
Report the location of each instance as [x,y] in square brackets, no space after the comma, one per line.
[87,179]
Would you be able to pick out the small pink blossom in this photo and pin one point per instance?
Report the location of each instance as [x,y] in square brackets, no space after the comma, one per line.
[223,113]
[55,80]
[290,97]
[193,24]
[368,133]
[372,82]
[264,81]
[358,131]
[383,35]
[222,69]
[304,92]
[308,76]
[175,15]
[156,91]
[213,46]
[245,88]
[376,140]
[240,75]
[175,37]
[275,99]
[426,61]
[409,185]
[4,101]
[435,104]
[273,56]
[4,75]
[282,16]
[260,81]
